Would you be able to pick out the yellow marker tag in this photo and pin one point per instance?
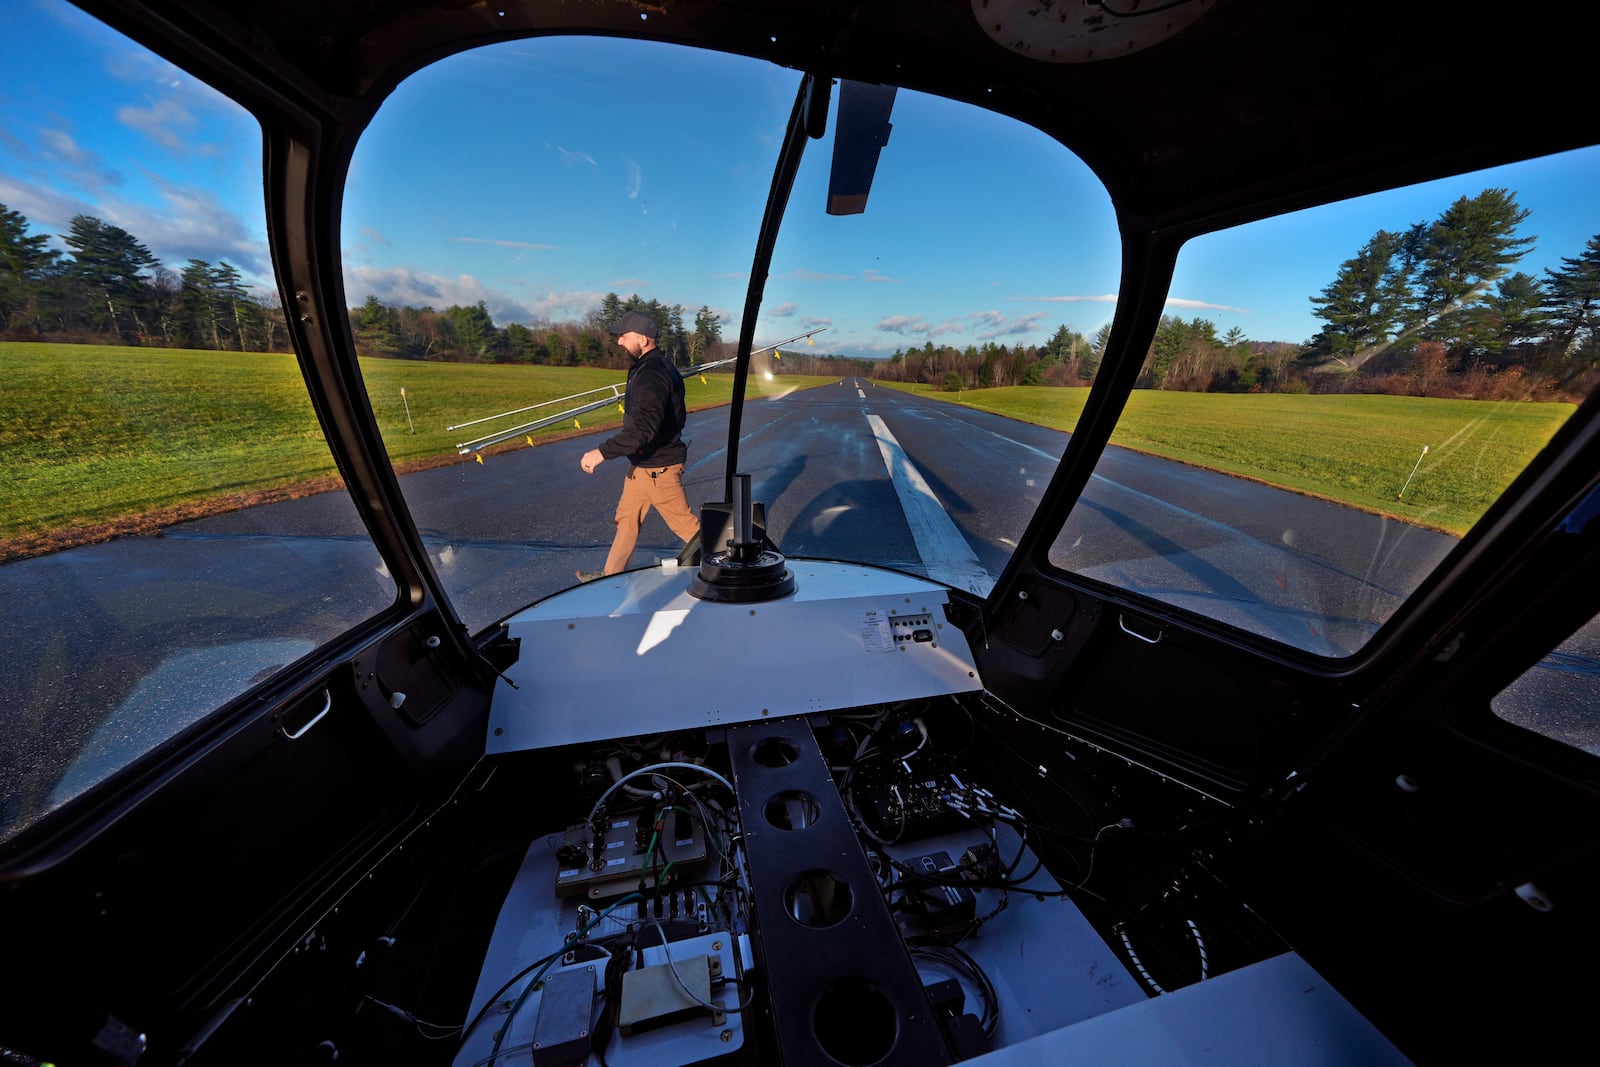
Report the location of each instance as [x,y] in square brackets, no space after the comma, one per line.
[529,439]
[703,380]
[811,343]
[478,456]
[578,424]
[777,355]
[621,408]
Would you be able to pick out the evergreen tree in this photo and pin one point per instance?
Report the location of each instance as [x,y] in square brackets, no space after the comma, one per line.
[233,302]
[199,309]
[519,344]
[707,332]
[1572,303]
[1469,249]
[373,331]
[1364,304]
[474,330]
[1512,314]
[108,261]
[25,264]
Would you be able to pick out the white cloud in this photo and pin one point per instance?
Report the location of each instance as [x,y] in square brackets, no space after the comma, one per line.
[506,244]
[1111,298]
[47,210]
[635,178]
[189,223]
[407,286]
[1179,302]
[59,146]
[783,311]
[572,158]
[818,276]
[917,326]
[997,325]
[165,121]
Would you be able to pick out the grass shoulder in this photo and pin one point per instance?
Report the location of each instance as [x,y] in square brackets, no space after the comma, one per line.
[102,440]
[1427,461]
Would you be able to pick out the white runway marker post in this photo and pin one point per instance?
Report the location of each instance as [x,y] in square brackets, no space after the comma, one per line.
[1401,494]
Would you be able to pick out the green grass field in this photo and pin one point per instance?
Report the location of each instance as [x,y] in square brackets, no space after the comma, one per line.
[1357,450]
[97,434]
[93,434]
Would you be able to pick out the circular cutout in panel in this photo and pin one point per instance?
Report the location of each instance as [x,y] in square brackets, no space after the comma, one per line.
[775,752]
[818,899]
[793,809]
[854,1023]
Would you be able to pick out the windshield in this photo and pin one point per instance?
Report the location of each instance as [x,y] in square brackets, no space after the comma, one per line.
[487,250]
[173,532]
[1334,398]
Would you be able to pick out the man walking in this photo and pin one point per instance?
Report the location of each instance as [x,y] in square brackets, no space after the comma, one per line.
[652,422]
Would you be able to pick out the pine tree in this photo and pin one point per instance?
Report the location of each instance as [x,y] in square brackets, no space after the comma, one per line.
[109,261]
[25,264]
[199,308]
[372,329]
[1364,304]
[1468,250]
[232,301]
[1572,302]
[1512,314]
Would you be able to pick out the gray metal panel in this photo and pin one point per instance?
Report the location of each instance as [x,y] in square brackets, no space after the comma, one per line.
[635,653]
[532,923]
[1049,966]
[561,1029]
[842,987]
[1277,1012]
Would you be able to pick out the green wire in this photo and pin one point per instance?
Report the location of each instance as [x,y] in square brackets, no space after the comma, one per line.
[533,984]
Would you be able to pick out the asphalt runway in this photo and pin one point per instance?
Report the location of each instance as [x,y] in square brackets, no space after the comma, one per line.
[157,631]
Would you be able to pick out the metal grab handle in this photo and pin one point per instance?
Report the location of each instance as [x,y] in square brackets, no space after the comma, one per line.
[1122,621]
[327,706]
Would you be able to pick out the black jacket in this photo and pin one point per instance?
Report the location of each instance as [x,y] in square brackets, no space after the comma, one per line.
[652,415]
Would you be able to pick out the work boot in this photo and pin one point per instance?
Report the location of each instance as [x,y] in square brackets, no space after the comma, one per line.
[589,576]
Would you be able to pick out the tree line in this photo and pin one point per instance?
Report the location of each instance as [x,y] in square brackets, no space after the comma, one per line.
[1436,309]
[109,288]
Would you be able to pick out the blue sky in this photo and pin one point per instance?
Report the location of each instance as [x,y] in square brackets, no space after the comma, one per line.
[537,176]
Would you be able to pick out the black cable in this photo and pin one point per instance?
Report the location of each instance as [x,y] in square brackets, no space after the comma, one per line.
[965,966]
[616,967]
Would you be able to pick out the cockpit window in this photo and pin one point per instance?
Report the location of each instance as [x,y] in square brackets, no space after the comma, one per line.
[1559,696]
[172,528]
[1334,398]
[916,365]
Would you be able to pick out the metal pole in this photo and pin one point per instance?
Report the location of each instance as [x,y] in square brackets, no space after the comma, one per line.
[1413,473]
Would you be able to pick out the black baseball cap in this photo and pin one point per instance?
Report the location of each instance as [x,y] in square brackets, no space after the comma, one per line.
[635,322]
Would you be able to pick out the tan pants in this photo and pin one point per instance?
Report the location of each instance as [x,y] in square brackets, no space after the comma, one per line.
[645,488]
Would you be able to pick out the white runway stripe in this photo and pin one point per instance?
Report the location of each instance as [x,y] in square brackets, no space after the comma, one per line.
[946,556]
